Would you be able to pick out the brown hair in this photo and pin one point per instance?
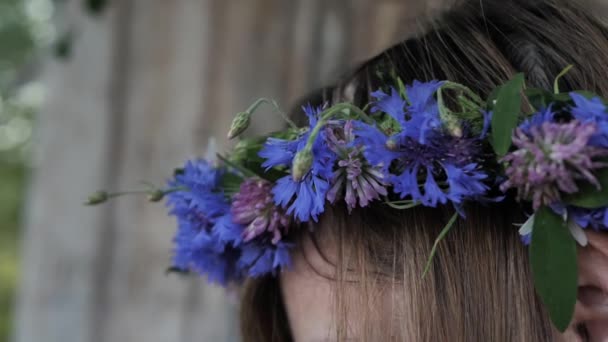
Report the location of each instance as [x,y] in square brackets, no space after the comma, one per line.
[479,288]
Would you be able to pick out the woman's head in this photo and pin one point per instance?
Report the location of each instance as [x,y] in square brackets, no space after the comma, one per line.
[359,275]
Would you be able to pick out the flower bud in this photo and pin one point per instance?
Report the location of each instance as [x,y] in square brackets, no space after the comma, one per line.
[239,124]
[391,144]
[156,195]
[302,163]
[97,198]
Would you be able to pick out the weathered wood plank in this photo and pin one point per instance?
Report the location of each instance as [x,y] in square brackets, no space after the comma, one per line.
[60,239]
[149,82]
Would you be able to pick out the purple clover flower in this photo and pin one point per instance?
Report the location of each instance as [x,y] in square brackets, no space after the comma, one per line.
[355,178]
[254,208]
[551,157]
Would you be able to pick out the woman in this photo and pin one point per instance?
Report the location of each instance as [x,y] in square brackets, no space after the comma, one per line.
[358,276]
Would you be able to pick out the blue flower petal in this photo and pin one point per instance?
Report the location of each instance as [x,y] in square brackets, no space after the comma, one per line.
[406,184]
[487,121]
[278,152]
[423,111]
[259,259]
[374,142]
[465,182]
[304,199]
[312,113]
[227,231]
[201,244]
[392,104]
[592,110]
[421,96]
[432,193]
[282,257]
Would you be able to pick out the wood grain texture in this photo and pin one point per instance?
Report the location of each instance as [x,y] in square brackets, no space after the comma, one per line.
[148,84]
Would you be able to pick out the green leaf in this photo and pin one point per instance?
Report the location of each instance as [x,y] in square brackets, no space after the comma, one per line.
[589,196]
[231,181]
[506,114]
[237,167]
[440,238]
[554,269]
[538,98]
[493,96]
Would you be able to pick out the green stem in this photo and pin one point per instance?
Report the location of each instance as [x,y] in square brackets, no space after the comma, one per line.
[396,205]
[561,74]
[254,106]
[444,112]
[440,238]
[141,192]
[245,171]
[457,86]
[468,104]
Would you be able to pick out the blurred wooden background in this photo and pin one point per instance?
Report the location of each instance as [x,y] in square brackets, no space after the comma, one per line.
[147,84]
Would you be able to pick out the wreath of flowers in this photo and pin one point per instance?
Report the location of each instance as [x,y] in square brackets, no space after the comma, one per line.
[426,144]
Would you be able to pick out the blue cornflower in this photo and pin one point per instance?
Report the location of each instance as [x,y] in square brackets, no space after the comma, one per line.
[392,104]
[261,258]
[204,252]
[592,111]
[376,145]
[418,118]
[423,152]
[305,198]
[278,152]
[590,218]
[206,239]
[444,157]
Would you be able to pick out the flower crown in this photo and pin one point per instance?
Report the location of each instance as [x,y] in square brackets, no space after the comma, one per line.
[427,144]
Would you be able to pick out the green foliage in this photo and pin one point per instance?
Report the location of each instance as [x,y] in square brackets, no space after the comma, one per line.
[539,98]
[22,29]
[554,268]
[11,197]
[506,114]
